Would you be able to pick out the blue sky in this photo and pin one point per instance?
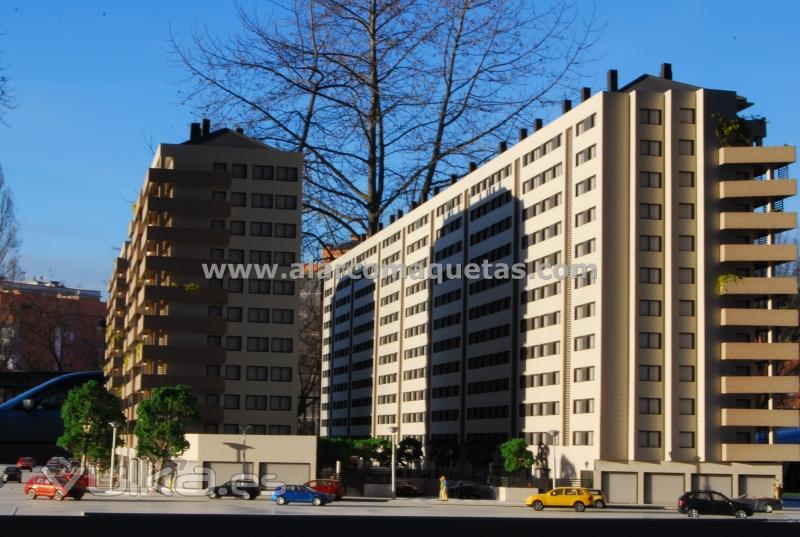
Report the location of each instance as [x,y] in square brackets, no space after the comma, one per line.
[96,87]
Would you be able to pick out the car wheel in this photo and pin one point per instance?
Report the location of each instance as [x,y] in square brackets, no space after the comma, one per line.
[600,504]
[247,495]
[767,508]
[222,492]
[5,479]
[280,500]
[740,513]
[213,495]
[58,496]
[693,513]
[316,501]
[32,494]
[538,505]
[580,507]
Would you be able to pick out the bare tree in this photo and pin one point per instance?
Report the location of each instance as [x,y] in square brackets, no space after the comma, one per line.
[9,239]
[791,334]
[308,357]
[7,100]
[387,98]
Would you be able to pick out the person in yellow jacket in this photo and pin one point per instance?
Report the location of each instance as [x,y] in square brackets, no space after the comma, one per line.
[443,488]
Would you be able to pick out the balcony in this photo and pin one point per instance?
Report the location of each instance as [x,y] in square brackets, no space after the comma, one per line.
[760,417]
[760,452]
[774,221]
[189,177]
[760,351]
[192,207]
[767,190]
[757,252]
[211,237]
[758,317]
[778,384]
[196,382]
[774,155]
[188,354]
[761,286]
[172,323]
[204,295]
[119,323]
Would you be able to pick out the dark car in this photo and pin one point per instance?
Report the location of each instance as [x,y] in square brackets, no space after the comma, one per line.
[241,488]
[711,502]
[464,489]
[761,505]
[12,473]
[404,488]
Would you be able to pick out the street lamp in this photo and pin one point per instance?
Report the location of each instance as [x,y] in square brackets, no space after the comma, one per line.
[244,429]
[86,428]
[393,430]
[114,425]
[553,435]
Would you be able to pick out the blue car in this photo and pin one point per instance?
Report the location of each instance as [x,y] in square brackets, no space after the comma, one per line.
[299,494]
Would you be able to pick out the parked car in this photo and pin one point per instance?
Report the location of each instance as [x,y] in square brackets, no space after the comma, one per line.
[464,489]
[711,502]
[332,487]
[574,497]
[761,505]
[242,488]
[404,488]
[12,473]
[299,494]
[55,487]
[598,498]
[57,464]
[26,463]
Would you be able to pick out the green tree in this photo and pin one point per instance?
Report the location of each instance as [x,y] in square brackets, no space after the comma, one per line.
[443,453]
[478,453]
[516,455]
[409,451]
[86,414]
[330,450]
[373,449]
[161,422]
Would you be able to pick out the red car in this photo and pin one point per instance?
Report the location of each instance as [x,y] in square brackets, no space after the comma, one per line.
[26,463]
[331,487]
[56,487]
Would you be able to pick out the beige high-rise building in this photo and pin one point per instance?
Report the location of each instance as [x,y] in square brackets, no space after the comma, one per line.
[219,197]
[654,368]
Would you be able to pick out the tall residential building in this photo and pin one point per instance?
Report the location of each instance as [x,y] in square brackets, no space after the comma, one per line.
[652,373]
[219,197]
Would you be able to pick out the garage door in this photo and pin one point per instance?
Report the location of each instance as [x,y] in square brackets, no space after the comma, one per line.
[756,485]
[663,489]
[291,474]
[620,487]
[720,483]
[224,471]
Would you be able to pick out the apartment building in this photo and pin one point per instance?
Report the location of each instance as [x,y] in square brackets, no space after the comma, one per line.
[219,197]
[649,371]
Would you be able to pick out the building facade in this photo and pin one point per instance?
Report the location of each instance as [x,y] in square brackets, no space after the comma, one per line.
[219,197]
[654,349]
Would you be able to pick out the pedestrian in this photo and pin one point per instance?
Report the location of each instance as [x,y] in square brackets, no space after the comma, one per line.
[443,488]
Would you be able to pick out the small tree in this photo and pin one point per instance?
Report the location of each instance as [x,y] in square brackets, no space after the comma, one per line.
[87,412]
[443,453]
[161,422]
[374,449]
[516,455]
[409,451]
[330,450]
[478,453]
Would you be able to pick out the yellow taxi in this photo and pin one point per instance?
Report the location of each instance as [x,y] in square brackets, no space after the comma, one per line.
[574,497]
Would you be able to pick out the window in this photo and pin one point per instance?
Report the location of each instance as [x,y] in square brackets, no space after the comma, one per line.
[686,147]
[218,195]
[239,171]
[686,340]
[650,308]
[285,259]
[649,405]
[233,343]
[686,373]
[685,439]
[236,256]
[230,428]
[265,173]
[583,438]
[238,199]
[584,248]
[214,341]
[285,230]
[651,148]
[584,310]
[650,439]
[280,429]
[649,340]
[686,243]
[237,227]
[583,406]
[216,253]
[234,314]
[285,174]
[285,202]
[281,316]
[686,179]
[255,402]
[231,401]
[261,201]
[254,372]
[262,257]
[584,217]
[261,229]
[686,211]
[235,285]
[586,155]
[650,373]
[584,125]
[650,179]
[259,287]
[215,311]
[218,225]
[649,243]
[233,372]
[686,115]
[585,186]
[584,342]
[213,370]
[686,407]
[281,374]
[649,275]
[220,166]
[257,344]
[584,374]
[212,399]
[686,275]
[258,315]
[650,116]
[280,402]
[650,211]
[282,344]
[283,288]
[686,308]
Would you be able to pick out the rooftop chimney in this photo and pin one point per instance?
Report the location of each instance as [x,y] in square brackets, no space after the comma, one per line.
[666,71]
[586,93]
[414,204]
[453,179]
[612,80]
[400,214]
[194,132]
[537,124]
[363,237]
[240,130]
[436,190]
[566,106]
[391,219]
[206,127]
[523,133]
[473,166]
[380,226]
[503,146]
[353,237]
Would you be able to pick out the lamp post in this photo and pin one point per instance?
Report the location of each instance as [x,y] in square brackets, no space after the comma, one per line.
[114,426]
[393,430]
[86,428]
[243,429]
[553,436]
